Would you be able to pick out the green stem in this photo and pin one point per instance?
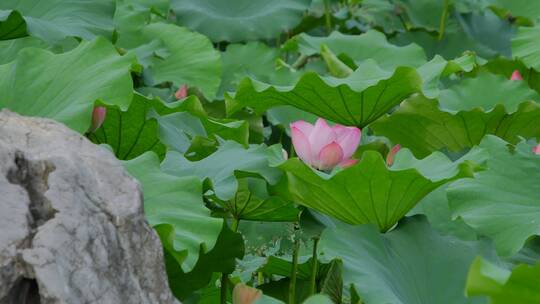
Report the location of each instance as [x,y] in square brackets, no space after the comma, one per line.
[442,24]
[234,224]
[314,267]
[223,293]
[327,16]
[294,270]
[225,276]
[260,278]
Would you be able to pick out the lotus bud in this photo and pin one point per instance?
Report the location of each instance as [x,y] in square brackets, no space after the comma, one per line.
[536,149]
[324,147]
[516,76]
[182,92]
[391,154]
[243,294]
[98,117]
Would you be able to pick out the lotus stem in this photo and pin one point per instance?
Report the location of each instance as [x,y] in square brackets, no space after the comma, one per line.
[314,267]
[444,15]
[294,270]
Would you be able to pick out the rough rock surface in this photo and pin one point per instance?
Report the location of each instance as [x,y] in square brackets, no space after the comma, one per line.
[72,228]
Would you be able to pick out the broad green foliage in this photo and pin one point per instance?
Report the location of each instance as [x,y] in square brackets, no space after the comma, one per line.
[220,167]
[239,20]
[175,205]
[54,20]
[439,203]
[463,115]
[412,264]
[138,133]
[503,286]
[422,126]
[524,46]
[356,100]
[509,214]
[177,55]
[65,86]
[369,192]
[371,45]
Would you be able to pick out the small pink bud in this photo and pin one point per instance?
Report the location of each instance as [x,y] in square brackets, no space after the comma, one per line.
[182,92]
[391,154]
[516,76]
[536,149]
[98,117]
[243,294]
[324,147]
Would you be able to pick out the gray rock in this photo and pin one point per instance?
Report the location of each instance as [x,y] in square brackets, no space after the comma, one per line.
[72,228]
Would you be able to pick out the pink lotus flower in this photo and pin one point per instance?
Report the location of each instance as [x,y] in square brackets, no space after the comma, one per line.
[536,149]
[243,294]
[98,117]
[324,147]
[391,154]
[516,76]
[182,92]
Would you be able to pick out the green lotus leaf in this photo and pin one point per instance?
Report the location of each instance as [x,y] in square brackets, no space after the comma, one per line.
[253,202]
[502,202]
[175,204]
[10,48]
[524,46]
[370,192]
[356,100]
[422,126]
[130,133]
[12,25]
[240,20]
[503,286]
[253,59]
[410,265]
[371,45]
[525,12]
[220,167]
[54,20]
[64,87]
[463,115]
[175,54]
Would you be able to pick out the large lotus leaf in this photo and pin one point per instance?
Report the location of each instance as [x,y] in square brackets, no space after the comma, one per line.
[525,11]
[371,45]
[253,202]
[220,167]
[240,20]
[410,265]
[503,286]
[222,258]
[380,13]
[65,86]
[424,14]
[435,207]
[190,58]
[131,133]
[432,71]
[54,20]
[422,126]
[177,130]
[485,92]
[370,192]
[483,33]
[255,60]
[10,48]
[12,25]
[175,204]
[502,202]
[132,15]
[356,100]
[525,46]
